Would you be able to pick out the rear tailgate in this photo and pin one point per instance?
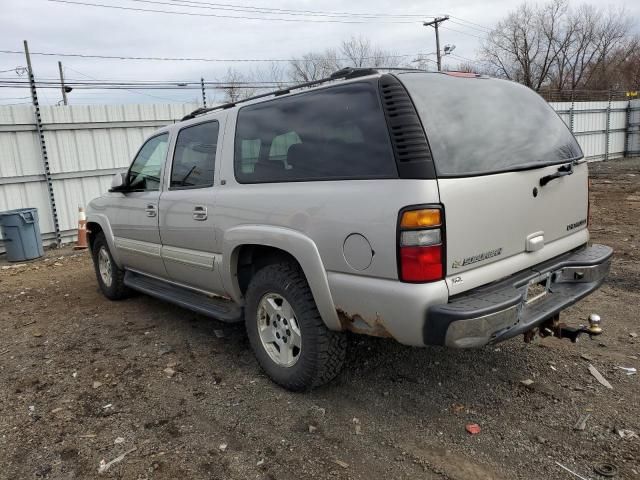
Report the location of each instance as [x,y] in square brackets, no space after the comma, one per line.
[494,217]
[510,175]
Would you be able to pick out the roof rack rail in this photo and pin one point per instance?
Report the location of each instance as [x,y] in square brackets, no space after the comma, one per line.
[342,74]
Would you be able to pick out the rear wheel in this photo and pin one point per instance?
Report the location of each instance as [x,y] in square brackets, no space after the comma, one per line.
[110,277]
[290,340]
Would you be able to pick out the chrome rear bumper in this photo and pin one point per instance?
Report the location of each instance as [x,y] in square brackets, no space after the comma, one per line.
[504,309]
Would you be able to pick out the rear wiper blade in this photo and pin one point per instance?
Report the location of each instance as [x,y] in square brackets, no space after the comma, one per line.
[563,171]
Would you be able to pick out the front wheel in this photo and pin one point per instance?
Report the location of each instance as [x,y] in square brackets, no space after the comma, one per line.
[290,340]
[110,277]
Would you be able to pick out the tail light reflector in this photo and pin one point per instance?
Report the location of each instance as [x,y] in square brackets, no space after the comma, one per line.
[421,264]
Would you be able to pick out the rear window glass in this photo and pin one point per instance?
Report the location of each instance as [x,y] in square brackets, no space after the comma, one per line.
[335,133]
[477,126]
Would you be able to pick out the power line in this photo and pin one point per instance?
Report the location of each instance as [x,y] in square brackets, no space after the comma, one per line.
[143,87]
[95,81]
[92,81]
[15,98]
[302,12]
[180,59]
[471,27]
[126,89]
[275,11]
[453,30]
[475,62]
[237,17]
[14,69]
[472,23]
[140,86]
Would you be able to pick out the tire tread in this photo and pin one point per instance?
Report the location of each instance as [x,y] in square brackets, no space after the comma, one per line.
[118,289]
[329,346]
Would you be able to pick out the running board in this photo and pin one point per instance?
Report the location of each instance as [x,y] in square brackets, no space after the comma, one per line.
[214,307]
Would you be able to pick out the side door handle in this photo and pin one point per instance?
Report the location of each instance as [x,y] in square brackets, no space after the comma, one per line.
[200,213]
[151,210]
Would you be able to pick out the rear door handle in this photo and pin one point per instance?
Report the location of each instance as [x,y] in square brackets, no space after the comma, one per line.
[200,213]
[151,210]
[563,171]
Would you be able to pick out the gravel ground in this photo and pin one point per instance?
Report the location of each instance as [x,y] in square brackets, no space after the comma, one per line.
[85,380]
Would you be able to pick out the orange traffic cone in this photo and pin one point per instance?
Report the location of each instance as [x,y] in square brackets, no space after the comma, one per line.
[81,244]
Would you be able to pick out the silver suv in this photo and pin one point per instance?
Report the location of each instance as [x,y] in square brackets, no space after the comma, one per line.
[432,208]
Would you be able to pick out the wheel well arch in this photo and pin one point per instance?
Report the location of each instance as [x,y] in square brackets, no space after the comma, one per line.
[93,229]
[249,258]
[247,248]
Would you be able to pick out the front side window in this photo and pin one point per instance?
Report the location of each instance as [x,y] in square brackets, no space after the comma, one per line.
[335,133]
[144,173]
[194,158]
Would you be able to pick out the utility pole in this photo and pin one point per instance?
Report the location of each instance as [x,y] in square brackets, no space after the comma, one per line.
[204,95]
[435,23]
[62,86]
[43,147]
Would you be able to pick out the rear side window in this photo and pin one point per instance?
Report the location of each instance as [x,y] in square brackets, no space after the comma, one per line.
[329,134]
[479,126]
[194,158]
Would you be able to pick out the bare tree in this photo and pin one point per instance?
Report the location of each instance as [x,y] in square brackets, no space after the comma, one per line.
[466,67]
[360,52]
[553,46]
[520,47]
[236,86]
[314,66]
[613,46]
[628,70]
[274,73]
[355,52]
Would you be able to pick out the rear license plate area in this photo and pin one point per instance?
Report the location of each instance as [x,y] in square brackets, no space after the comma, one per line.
[537,288]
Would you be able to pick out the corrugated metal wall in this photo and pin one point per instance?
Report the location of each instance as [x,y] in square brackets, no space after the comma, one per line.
[88,144]
[599,126]
[633,130]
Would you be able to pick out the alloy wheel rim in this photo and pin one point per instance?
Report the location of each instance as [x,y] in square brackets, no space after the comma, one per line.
[104,266]
[279,330]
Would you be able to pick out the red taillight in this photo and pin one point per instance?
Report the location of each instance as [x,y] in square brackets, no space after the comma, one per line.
[420,244]
[421,264]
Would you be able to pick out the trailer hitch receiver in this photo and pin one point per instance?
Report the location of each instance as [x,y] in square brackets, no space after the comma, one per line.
[553,327]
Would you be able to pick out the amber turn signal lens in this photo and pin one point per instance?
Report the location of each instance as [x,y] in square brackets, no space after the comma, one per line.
[428,217]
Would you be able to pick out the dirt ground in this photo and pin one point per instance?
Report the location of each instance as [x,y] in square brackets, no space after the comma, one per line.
[83,379]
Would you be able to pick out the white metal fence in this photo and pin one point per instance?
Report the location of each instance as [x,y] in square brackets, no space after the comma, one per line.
[604,129]
[86,145]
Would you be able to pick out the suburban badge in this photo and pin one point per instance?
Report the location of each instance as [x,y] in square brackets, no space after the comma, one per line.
[476,258]
[579,223]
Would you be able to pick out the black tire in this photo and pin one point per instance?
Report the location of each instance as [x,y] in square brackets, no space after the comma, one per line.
[323,351]
[117,290]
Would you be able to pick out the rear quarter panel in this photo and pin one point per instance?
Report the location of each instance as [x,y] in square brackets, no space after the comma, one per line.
[325,211]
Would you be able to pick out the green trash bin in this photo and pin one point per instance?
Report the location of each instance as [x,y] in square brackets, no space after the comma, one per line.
[21,234]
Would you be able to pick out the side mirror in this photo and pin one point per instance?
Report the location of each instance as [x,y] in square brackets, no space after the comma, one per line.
[118,182]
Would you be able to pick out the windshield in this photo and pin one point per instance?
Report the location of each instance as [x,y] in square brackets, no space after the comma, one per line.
[478,126]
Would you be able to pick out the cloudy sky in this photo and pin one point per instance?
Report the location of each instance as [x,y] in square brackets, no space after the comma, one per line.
[203,29]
